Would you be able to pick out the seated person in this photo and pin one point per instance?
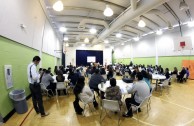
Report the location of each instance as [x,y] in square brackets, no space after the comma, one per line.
[102,71]
[167,74]
[78,72]
[60,78]
[96,79]
[181,75]
[73,77]
[140,90]
[82,93]
[49,69]
[113,92]
[110,73]
[47,80]
[187,72]
[133,74]
[146,78]
[175,71]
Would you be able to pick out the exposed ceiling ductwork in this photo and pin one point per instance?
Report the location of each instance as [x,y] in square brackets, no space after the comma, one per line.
[144,7]
[92,21]
[133,4]
[129,28]
[162,16]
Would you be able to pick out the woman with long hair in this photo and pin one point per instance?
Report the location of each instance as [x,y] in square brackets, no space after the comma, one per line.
[82,93]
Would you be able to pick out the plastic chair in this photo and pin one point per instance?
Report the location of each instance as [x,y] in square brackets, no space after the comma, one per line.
[85,104]
[104,76]
[61,86]
[111,105]
[145,102]
[165,83]
[127,75]
[45,90]
[174,76]
[149,100]
[114,75]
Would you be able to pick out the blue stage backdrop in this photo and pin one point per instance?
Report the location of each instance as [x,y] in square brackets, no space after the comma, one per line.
[81,56]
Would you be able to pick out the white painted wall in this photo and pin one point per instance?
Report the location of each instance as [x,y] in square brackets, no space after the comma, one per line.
[38,31]
[148,45]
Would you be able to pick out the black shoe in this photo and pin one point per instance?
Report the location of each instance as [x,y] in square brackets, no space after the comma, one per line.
[37,112]
[79,113]
[46,114]
[139,109]
[126,115]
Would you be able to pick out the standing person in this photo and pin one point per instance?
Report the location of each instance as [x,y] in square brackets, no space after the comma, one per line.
[33,79]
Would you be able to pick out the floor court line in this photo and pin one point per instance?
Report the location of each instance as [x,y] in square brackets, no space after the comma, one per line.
[26,117]
[175,104]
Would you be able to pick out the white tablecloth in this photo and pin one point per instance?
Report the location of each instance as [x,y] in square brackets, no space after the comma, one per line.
[158,77]
[120,83]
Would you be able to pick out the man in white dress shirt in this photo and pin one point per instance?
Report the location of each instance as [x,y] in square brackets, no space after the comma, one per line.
[33,79]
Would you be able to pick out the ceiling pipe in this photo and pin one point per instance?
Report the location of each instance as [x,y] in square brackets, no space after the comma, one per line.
[144,7]
[134,4]
[92,21]
[128,28]
[82,36]
[162,16]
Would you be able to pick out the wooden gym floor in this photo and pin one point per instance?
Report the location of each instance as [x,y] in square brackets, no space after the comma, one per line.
[175,108]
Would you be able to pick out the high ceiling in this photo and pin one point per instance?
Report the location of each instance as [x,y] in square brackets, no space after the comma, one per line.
[157,14]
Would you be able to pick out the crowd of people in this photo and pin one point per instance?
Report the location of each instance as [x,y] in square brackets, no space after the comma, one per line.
[140,74]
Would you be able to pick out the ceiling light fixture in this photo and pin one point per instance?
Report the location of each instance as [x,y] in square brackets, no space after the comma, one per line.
[58,6]
[86,40]
[67,44]
[141,23]
[62,29]
[122,43]
[108,11]
[183,5]
[83,45]
[106,41]
[191,23]
[118,35]
[159,32]
[65,38]
[93,31]
[136,38]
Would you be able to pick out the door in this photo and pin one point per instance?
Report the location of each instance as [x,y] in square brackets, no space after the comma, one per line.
[190,65]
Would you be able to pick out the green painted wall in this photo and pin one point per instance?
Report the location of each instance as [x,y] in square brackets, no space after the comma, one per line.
[123,60]
[145,60]
[166,61]
[12,53]
[172,61]
[48,61]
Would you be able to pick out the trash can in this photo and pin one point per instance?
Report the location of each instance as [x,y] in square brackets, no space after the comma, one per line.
[19,101]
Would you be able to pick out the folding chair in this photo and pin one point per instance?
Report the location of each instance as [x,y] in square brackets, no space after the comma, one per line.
[164,84]
[145,102]
[61,86]
[45,90]
[111,105]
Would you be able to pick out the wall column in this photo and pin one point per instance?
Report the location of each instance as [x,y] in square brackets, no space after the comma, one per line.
[131,51]
[156,50]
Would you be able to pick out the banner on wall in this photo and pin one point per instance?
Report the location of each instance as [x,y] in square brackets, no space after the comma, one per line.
[8,76]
